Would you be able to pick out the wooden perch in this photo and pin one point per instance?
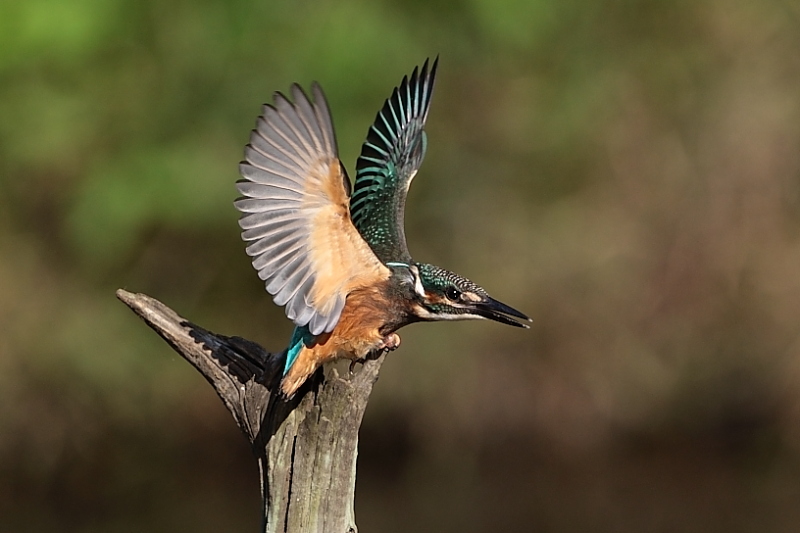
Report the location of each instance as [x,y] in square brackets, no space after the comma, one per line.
[306,448]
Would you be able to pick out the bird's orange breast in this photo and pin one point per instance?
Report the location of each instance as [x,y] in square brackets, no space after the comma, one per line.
[356,335]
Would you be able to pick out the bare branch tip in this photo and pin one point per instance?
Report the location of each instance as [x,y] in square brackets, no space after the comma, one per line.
[125,296]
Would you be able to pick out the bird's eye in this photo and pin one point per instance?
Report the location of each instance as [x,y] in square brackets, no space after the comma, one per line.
[452,293]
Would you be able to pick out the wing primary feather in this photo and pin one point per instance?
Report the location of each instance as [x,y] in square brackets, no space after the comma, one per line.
[429,87]
[380,136]
[294,288]
[280,234]
[390,130]
[285,275]
[286,218]
[397,124]
[285,124]
[399,100]
[265,263]
[273,145]
[291,117]
[307,312]
[253,220]
[317,324]
[324,117]
[414,93]
[288,113]
[266,260]
[281,254]
[269,163]
[274,122]
[270,179]
[381,151]
[267,178]
[259,232]
[289,290]
[321,323]
[410,101]
[390,158]
[267,148]
[263,244]
[254,190]
[305,113]
[375,160]
[279,139]
[259,205]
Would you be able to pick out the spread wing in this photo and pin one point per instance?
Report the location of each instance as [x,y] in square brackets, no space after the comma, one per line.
[389,159]
[295,214]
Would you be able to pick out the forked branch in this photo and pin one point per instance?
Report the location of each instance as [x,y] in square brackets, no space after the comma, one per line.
[306,448]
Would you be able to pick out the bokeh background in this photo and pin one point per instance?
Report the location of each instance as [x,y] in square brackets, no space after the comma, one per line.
[626,172]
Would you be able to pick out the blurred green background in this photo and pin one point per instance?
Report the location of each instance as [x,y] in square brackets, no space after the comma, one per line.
[626,172]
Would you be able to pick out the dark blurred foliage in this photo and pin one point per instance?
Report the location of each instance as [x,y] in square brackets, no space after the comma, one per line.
[627,172]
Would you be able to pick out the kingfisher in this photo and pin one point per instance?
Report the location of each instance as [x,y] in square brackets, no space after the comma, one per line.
[335,255]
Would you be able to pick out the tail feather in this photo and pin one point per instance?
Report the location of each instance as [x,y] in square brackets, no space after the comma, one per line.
[302,359]
[304,365]
[301,336]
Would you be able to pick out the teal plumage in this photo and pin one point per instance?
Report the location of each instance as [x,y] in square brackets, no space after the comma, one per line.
[301,337]
[389,160]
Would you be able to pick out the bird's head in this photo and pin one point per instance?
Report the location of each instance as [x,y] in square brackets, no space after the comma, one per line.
[443,295]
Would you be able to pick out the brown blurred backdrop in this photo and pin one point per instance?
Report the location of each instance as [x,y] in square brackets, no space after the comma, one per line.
[626,172]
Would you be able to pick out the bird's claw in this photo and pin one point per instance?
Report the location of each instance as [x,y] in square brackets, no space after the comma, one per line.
[390,343]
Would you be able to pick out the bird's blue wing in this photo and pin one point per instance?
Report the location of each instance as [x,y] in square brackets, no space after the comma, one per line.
[389,160]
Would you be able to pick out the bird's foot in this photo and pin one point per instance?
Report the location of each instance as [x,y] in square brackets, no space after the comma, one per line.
[390,343]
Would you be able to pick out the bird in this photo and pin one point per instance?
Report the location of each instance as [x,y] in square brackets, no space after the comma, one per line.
[334,255]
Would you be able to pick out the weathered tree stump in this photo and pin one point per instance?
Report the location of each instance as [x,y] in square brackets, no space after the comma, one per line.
[306,448]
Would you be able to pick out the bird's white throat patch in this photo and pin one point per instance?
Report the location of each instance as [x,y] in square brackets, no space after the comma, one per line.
[418,288]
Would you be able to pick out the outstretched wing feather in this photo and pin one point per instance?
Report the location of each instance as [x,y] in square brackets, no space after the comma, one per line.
[389,160]
[295,215]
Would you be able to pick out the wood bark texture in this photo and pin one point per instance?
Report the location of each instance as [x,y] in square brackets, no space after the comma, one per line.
[306,448]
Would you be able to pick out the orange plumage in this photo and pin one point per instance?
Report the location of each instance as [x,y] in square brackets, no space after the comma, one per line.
[356,335]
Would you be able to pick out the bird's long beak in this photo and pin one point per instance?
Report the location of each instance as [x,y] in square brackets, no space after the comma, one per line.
[500,312]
